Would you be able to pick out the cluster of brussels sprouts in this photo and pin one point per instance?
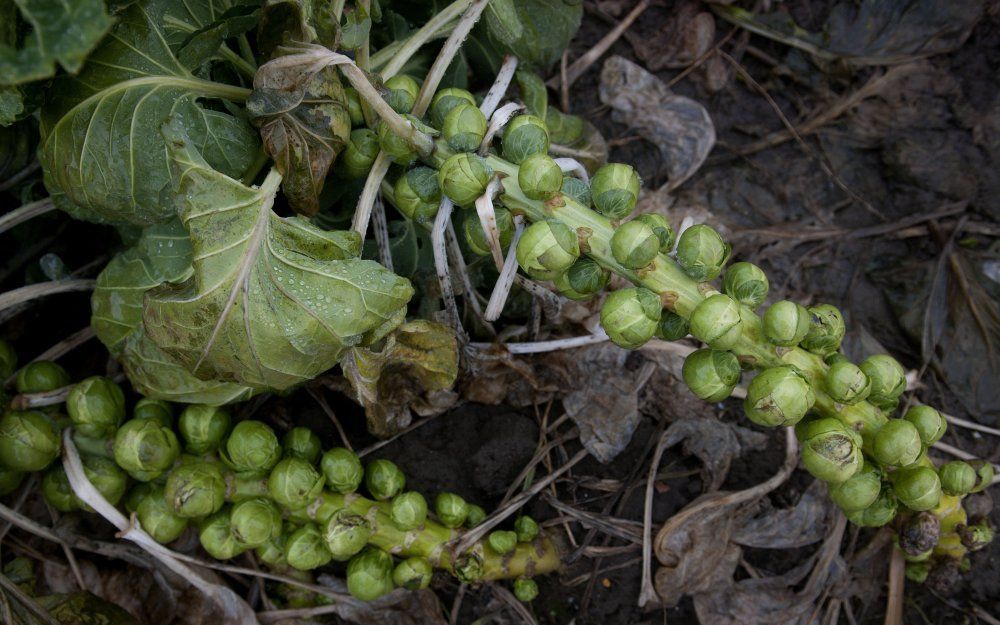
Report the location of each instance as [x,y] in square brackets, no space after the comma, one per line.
[292,503]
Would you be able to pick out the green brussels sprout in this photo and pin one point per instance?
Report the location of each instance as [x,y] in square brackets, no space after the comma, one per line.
[786,323]
[157,519]
[306,550]
[672,326]
[634,244]
[888,380]
[845,382]
[975,537]
[383,479]
[711,374]
[957,478]
[576,189]
[408,510]
[896,444]
[252,447]
[57,491]
[475,236]
[984,474]
[563,129]
[369,574]
[464,128]
[464,177]
[418,195]
[526,529]
[661,228]
[539,177]
[778,396]
[8,359]
[216,537]
[413,574]
[826,330]
[135,495]
[475,516]
[9,481]
[203,428]
[451,509]
[525,136]
[301,443]
[397,148]
[468,568]
[272,553]
[879,513]
[445,100]
[195,489]
[917,488]
[106,476]
[502,541]
[702,252]
[96,406]
[563,287]
[156,409]
[345,534]
[145,448]
[631,316]
[401,93]
[547,248]
[41,376]
[586,276]
[615,190]
[831,451]
[28,441]
[929,423]
[919,534]
[747,284]
[294,483]
[354,108]
[859,491]
[254,522]
[342,469]
[359,154]
[918,572]
[525,589]
[717,322]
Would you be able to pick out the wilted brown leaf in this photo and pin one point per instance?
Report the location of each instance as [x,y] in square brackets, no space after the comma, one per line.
[715,443]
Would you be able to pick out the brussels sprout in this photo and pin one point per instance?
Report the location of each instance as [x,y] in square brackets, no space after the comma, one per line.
[586,276]
[8,359]
[563,287]
[576,189]
[408,510]
[203,428]
[272,553]
[195,489]
[475,236]
[984,474]
[896,444]
[717,322]
[28,441]
[526,529]
[468,568]
[475,516]
[929,423]
[383,479]
[135,495]
[252,447]
[957,478]
[525,589]
[502,541]
[975,537]
[342,469]
[464,177]
[563,129]
[255,522]
[418,195]
[96,406]
[397,148]
[845,382]
[107,477]
[464,128]
[539,177]
[157,519]
[661,227]
[786,323]
[672,326]
[369,574]
[917,488]
[879,513]
[631,316]
[711,374]
[524,136]
[354,108]
[702,252]
[747,284]
[402,93]
[359,154]
[301,443]
[888,380]
[778,396]
[451,509]
[306,550]
[217,539]
[41,376]
[294,483]
[413,574]
[345,534]
[826,330]
[547,248]
[634,244]
[9,481]
[831,451]
[859,491]
[156,409]
[57,491]
[918,571]
[145,449]
[615,189]
[919,534]
[445,100]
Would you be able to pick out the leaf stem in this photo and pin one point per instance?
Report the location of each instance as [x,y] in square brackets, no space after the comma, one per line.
[26,212]
[395,56]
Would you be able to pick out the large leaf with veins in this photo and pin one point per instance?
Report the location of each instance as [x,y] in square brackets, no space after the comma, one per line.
[273,301]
